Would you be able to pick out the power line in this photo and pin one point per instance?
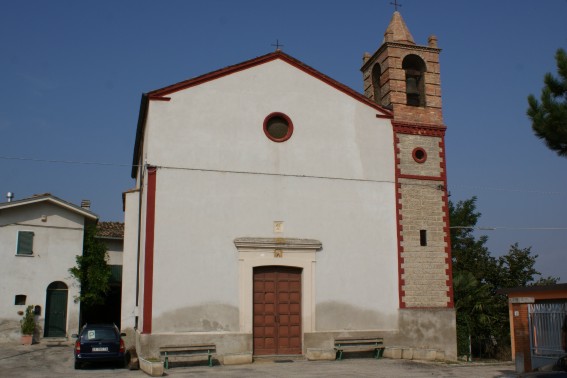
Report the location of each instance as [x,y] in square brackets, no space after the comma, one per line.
[77,162]
[507,189]
[63,161]
[511,228]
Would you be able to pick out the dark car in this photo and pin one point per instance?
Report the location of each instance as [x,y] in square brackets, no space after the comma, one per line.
[99,343]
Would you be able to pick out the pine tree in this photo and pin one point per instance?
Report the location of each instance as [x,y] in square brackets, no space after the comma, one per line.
[549,118]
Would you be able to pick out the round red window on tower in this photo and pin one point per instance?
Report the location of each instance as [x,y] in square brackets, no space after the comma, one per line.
[278,127]
[419,155]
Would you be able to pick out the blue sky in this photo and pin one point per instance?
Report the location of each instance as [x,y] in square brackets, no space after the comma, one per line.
[72,73]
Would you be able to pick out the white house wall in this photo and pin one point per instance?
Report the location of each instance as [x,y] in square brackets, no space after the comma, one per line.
[57,241]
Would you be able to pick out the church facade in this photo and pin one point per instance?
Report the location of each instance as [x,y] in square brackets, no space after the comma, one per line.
[276,209]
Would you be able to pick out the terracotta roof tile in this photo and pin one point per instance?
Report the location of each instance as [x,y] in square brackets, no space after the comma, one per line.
[110,230]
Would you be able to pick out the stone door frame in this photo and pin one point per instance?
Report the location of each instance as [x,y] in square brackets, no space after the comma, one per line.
[297,253]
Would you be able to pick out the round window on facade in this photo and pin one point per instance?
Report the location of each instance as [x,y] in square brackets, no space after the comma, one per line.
[419,155]
[278,127]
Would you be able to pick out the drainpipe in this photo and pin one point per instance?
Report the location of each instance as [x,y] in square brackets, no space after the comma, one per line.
[140,192]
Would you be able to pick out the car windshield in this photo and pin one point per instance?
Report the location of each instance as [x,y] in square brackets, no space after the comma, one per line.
[92,334]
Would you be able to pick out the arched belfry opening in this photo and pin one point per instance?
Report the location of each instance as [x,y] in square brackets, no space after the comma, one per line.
[414,68]
[376,73]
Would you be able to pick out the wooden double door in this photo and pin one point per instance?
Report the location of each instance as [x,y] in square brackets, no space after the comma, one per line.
[277,310]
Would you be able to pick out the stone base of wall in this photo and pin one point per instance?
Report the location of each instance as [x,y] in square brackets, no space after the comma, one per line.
[317,354]
[236,347]
[237,358]
[423,334]
[414,354]
[427,332]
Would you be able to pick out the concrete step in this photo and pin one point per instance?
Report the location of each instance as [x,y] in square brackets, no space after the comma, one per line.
[56,341]
[279,358]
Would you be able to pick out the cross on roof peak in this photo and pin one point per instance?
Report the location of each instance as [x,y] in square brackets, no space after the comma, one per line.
[277,45]
[396,5]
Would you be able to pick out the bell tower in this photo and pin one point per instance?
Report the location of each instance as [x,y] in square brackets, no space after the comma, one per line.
[405,78]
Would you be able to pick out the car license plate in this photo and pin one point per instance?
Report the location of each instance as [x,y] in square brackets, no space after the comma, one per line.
[100,349]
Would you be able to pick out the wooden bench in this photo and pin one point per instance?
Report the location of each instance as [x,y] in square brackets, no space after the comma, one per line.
[187,351]
[360,344]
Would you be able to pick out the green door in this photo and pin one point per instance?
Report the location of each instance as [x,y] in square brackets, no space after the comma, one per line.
[56,310]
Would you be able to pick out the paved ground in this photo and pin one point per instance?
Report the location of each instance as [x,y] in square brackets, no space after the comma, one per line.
[57,361]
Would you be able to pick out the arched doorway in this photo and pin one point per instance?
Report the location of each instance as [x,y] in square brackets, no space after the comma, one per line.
[56,310]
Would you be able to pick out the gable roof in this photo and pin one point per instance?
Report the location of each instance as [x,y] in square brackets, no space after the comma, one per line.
[47,197]
[161,94]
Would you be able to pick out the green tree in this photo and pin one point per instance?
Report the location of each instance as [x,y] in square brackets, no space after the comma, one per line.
[482,313]
[92,270]
[543,281]
[474,306]
[517,267]
[469,253]
[474,270]
[549,117]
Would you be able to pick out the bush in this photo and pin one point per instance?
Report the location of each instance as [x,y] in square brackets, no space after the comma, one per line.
[27,323]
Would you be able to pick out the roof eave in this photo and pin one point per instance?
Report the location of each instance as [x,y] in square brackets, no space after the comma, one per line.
[50,198]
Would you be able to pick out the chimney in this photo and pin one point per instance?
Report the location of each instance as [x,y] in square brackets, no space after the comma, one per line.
[9,196]
[86,204]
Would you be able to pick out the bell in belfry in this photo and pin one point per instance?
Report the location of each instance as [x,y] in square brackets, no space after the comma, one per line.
[411,85]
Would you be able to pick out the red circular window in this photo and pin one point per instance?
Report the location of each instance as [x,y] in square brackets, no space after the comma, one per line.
[278,127]
[419,155]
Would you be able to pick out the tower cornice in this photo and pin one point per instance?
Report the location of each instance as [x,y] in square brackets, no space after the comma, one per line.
[404,46]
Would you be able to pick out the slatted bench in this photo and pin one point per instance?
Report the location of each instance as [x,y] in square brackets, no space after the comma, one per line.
[360,344]
[174,351]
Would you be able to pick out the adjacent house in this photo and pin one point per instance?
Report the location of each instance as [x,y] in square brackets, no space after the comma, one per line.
[276,209]
[39,239]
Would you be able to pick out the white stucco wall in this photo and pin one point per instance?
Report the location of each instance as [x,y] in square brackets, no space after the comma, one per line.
[57,241]
[115,249]
[129,258]
[219,178]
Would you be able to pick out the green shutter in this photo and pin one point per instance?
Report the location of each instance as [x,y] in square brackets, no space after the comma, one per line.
[116,276]
[25,243]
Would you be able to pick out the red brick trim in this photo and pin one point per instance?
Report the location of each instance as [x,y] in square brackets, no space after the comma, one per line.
[265,59]
[149,251]
[158,98]
[446,230]
[399,227]
[419,129]
[418,177]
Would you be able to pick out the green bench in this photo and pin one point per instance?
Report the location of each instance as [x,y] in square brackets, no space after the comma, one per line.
[175,351]
[360,344]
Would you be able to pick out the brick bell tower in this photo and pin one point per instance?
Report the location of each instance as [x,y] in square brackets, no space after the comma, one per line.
[404,77]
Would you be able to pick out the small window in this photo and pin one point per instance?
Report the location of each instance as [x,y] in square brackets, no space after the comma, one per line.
[278,127]
[20,300]
[423,238]
[25,243]
[419,155]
